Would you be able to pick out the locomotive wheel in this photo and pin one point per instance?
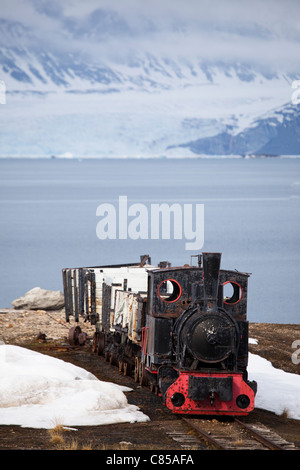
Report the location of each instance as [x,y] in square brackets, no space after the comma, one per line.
[136,369]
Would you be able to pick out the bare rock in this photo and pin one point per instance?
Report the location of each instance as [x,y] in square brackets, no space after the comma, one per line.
[40,299]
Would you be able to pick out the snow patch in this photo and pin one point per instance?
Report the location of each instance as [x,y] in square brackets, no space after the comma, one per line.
[277,391]
[40,391]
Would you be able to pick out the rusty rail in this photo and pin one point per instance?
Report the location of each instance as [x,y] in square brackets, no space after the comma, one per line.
[253,439]
[270,444]
[207,437]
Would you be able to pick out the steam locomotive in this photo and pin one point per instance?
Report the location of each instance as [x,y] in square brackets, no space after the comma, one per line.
[176,329]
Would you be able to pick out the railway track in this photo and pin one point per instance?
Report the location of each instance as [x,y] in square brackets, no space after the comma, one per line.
[237,435]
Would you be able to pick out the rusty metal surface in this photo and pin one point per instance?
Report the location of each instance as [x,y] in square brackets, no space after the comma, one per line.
[127,314]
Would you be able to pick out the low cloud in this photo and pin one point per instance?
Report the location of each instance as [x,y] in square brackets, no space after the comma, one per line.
[265,33]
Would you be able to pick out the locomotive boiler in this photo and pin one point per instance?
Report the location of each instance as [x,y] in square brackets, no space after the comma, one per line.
[181,330]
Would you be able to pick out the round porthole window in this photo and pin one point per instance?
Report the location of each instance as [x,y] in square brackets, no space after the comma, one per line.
[169,290]
[232,292]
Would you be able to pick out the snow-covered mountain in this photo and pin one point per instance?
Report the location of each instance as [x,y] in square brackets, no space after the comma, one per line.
[65,101]
[275,133]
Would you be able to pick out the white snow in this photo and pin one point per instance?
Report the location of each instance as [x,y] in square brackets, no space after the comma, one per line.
[253,341]
[277,391]
[40,391]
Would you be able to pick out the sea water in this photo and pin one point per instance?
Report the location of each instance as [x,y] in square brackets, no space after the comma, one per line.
[251,214]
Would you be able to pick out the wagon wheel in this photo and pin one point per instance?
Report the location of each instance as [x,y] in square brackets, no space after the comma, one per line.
[101,344]
[127,368]
[143,378]
[136,369]
[74,333]
[113,360]
[82,337]
[95,342]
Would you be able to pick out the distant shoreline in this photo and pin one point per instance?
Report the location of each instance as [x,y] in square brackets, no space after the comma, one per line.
[153,158]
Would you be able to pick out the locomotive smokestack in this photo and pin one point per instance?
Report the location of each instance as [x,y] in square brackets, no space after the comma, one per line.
[211,269]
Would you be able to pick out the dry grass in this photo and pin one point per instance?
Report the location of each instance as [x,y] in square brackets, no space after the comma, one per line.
[58,436]
[285,414]
[238,442]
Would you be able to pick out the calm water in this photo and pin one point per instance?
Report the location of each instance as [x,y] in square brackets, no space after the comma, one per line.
[252,207]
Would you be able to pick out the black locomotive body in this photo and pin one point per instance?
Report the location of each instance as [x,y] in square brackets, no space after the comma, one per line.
[173,328]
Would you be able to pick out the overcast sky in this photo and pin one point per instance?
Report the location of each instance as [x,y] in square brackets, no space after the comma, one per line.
[257,31]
